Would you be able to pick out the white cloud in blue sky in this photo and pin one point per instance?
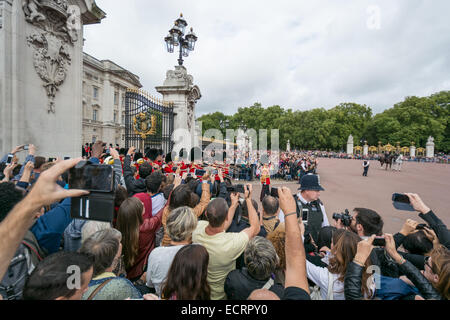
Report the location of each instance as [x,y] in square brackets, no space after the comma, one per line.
[296,54]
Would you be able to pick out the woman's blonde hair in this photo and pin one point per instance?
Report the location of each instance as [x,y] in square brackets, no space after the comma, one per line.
[181,223]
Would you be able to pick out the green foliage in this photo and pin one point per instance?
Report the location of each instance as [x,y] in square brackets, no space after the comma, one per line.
[412,120]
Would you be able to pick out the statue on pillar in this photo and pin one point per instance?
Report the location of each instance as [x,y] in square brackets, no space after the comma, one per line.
[350,145]
[430,147]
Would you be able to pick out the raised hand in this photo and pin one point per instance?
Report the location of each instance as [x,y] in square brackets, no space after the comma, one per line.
[417,203]
[409,227]
[234,198]
[46,191]
[287,201]
[17,149]
[364,249]
[113,152]
[131,151]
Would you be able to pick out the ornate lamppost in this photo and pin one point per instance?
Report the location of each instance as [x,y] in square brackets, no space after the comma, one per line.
[176,38]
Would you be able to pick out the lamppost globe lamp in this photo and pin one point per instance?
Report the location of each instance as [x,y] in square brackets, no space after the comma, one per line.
[177,38]
[169,43]
[176,34]
[191,38]
[182,24]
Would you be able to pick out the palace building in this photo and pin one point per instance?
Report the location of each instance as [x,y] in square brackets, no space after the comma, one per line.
[103,110]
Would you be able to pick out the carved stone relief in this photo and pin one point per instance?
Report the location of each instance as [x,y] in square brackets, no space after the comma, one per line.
[51,56]
[193,97]
[180,74]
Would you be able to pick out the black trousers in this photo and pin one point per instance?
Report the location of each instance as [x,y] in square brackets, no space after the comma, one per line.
[265,191]
[366,170]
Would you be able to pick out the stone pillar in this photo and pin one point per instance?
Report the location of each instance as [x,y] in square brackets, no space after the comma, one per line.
[430,147]
[365,149]
[350,145]
[179,89]
[41,59]
[412,150]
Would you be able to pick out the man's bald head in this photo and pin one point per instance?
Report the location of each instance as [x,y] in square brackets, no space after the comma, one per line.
[216,212]
[263,294]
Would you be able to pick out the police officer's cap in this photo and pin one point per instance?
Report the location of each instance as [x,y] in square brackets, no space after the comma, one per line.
[311,182]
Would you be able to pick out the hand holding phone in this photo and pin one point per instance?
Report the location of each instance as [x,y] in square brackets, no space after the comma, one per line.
[401,202]
[10,159]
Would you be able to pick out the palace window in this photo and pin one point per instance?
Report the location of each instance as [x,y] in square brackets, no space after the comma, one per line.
[94,115]
[95,93]
[116,98]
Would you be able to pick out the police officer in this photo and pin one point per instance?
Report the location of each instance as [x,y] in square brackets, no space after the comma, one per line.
[310,206]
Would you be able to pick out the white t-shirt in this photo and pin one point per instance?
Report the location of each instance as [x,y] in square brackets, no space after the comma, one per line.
[159,262]
[319,276]
[223,249]
[158,202]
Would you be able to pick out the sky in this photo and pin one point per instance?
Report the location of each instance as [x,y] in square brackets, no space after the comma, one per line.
[296,54]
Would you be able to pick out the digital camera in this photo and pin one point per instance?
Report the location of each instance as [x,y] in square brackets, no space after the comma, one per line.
[345,217]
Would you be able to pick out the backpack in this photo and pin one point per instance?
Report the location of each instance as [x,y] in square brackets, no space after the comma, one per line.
[25,260]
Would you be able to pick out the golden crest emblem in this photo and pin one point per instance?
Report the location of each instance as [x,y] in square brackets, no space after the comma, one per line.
[144,124]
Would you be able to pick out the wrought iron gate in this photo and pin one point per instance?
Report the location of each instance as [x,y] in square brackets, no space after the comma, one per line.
[148,121]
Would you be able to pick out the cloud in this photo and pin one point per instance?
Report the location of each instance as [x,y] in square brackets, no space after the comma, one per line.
[297,54]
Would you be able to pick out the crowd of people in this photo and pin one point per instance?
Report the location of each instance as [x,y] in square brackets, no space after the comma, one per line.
[184,230]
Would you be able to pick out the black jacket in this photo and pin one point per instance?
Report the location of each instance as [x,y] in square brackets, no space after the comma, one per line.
[239,285]
[134,186]
[439,228]
[353,281]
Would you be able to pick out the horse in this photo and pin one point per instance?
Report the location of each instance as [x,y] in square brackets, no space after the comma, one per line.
[387,160]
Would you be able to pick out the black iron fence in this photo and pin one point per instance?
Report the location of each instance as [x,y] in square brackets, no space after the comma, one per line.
[148,121]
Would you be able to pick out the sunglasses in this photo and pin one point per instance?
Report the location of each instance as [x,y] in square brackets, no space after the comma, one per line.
[427,259]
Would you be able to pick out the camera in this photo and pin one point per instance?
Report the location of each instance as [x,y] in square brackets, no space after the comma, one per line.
[237,188]
[421,226]
[345,217]
[199,172]
[379,242]
[274,192]
[99,180]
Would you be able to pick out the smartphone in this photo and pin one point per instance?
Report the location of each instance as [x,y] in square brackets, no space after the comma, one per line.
[199,172]
[403,198]
[274,192]
[305,214]
[10,159]
[98,178]
[51,159]
[240,188]
[379,242]
[174,169]
[401,202]
[66,158]
[215,172]
[26,147]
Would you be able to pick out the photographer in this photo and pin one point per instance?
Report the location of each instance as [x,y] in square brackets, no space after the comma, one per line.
[134,185]
[45,192]
[224,248]
[442,233]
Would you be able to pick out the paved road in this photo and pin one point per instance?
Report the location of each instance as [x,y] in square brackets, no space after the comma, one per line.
[345,187]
